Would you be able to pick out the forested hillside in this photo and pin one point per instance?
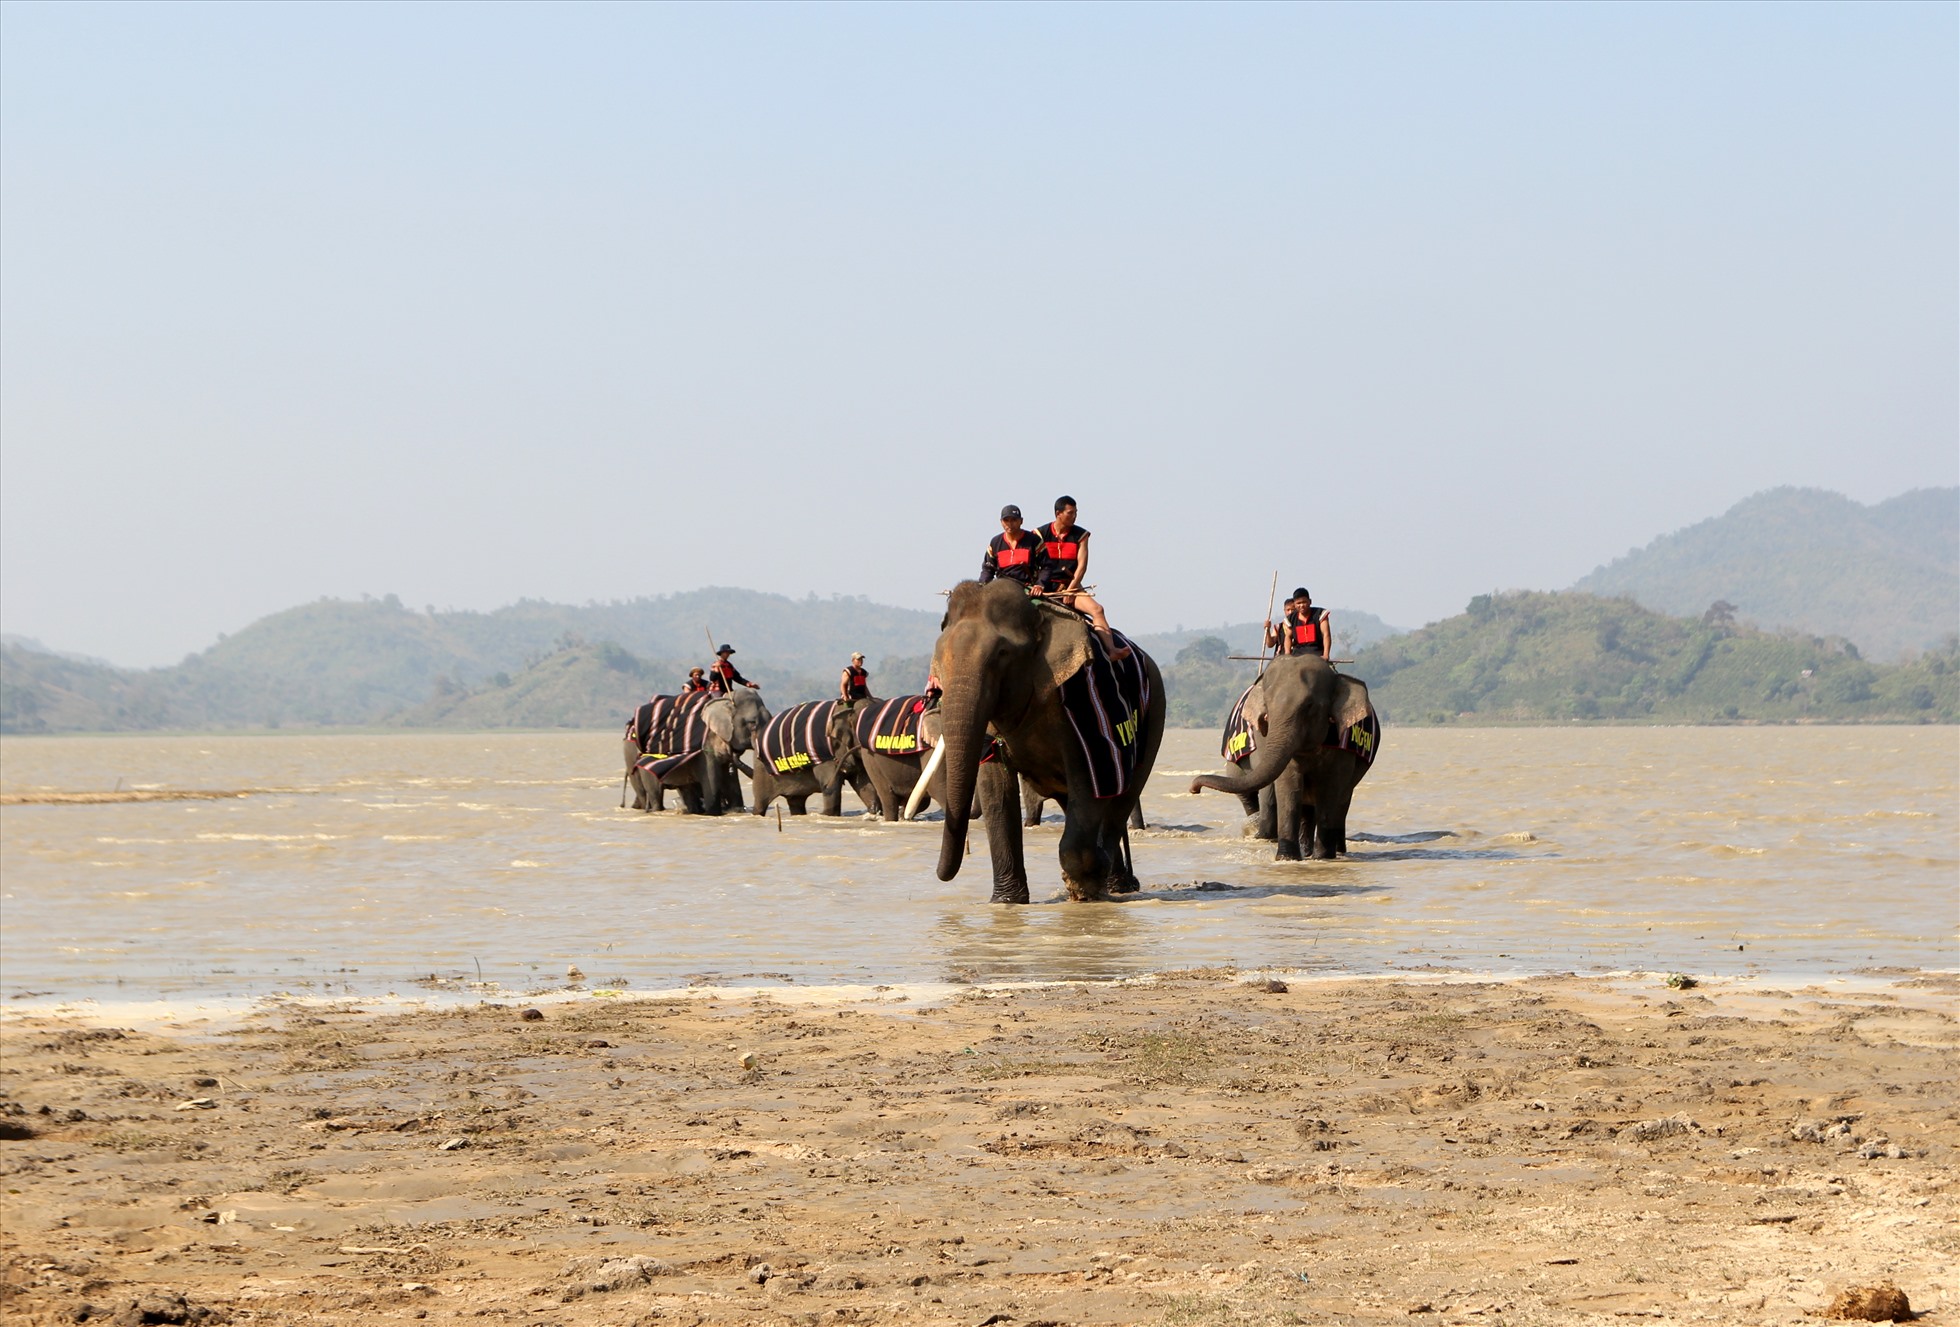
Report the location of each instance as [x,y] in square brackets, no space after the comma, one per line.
[377,663]
[1886,577]
[1530,656]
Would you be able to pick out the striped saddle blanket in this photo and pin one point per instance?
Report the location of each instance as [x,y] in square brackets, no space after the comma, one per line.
[892,726]
[1105,701]
[798,738]
[1363,737]
[676,729]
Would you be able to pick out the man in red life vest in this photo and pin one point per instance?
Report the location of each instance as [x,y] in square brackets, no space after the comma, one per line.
[697,680]
[1305,629]
[1014,554]
[1067,547]
[855,684]
[722,678]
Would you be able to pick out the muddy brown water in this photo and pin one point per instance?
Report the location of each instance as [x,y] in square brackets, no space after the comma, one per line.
[427,863]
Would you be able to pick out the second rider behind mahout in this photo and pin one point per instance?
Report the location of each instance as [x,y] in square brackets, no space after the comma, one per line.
[1050,560]
[1303,629]
[1067,546]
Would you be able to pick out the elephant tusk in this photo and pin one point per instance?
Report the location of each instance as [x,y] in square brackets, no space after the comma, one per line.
[925,778]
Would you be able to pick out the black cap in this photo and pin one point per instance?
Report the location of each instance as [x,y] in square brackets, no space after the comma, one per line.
[726,649]
[1063,501]
[1300,592]
[1010,512]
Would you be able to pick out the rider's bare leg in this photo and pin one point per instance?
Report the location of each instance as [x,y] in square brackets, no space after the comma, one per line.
[1082,603]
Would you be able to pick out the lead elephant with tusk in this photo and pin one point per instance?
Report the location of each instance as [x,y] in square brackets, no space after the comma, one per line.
[1029,693]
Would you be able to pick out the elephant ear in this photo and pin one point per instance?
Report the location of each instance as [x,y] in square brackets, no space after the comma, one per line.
[1064,644]
[1351,703]
[720,718]
[1255,707]
[930,728]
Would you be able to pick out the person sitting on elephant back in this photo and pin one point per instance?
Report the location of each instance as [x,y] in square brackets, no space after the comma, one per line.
[1067,547]
[723,677]
[1014,554]
[1305,629]
[697,680]
[855,684]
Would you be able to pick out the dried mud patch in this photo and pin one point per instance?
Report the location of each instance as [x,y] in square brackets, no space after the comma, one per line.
[1190,1150]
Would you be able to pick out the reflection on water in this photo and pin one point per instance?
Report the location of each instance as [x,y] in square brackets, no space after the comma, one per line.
[388,862]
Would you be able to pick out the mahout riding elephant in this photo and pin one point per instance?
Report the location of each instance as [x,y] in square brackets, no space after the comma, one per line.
[710,736]
[1011,667]
[1308,735]
[797,757]
[894,741]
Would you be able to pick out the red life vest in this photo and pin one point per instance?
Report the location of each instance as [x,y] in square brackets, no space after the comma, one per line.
[1307,635]
[1062,550]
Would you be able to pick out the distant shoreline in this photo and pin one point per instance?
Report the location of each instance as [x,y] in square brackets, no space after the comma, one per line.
[612,730]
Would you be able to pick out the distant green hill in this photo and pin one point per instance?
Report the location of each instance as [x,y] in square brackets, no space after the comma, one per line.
[1885,576]
[376,662]
[1530,656]
[1525,657]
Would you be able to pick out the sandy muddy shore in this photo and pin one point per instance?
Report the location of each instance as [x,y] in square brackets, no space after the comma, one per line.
[1197,1149]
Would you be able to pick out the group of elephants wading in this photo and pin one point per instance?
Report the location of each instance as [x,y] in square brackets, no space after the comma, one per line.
[1032,707]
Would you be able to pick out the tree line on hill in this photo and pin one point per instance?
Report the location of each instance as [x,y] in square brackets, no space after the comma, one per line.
[1749,616]
[1524,657]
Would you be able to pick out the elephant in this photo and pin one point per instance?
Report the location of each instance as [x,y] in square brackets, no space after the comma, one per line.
[708,783]
[895,761]
[1011,665]
[798,756]
[1313,735]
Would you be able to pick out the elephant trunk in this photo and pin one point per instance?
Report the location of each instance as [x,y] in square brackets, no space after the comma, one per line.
[1269,760]
[963,732]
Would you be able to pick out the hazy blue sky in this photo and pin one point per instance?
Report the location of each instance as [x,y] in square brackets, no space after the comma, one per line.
[472,303]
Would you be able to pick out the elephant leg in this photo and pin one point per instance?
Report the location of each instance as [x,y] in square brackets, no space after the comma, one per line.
[690,798]
[1001,792]
[1122,874]
[708,781]
[1268,827]
[1312,830]
[1136,817]
[1286,798]
[1331,820]
[798,806]
[1085,861]
[1031,803]
[728,788]
[867,792]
